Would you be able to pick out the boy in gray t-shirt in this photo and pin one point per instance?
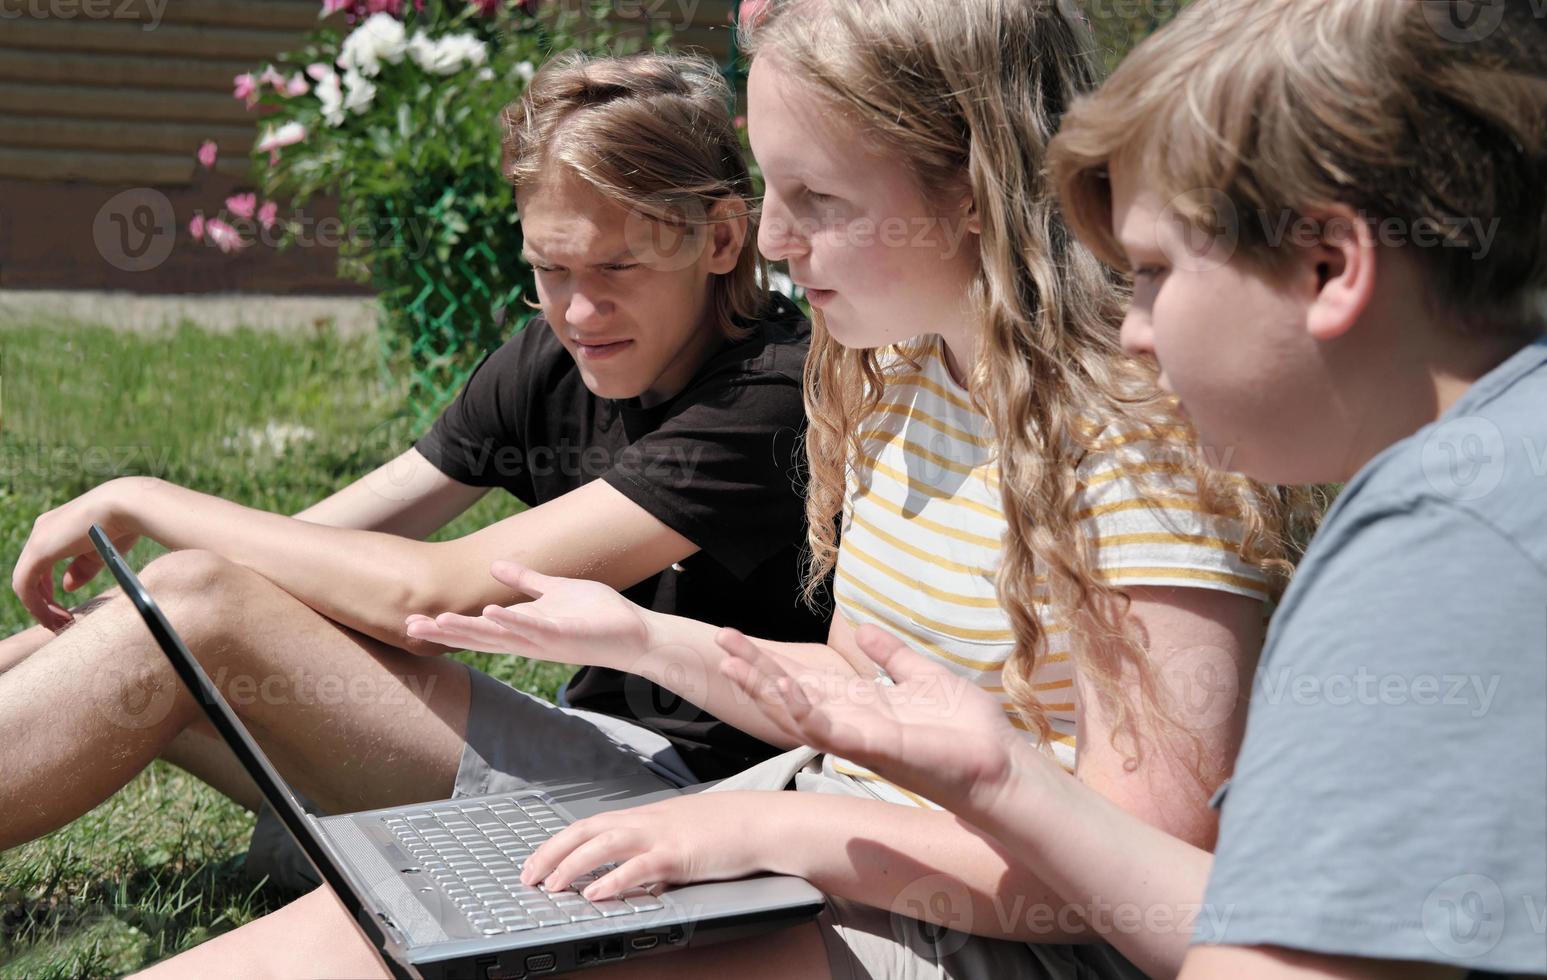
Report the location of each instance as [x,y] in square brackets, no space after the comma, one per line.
[1335,215]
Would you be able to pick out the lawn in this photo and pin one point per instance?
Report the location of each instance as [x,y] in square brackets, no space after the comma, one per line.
[272,421]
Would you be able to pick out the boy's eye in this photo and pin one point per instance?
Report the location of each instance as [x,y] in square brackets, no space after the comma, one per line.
[1148,272]
[543,268]
[621,266]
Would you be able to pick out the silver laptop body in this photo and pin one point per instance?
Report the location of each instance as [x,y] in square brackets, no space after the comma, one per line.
[435,886]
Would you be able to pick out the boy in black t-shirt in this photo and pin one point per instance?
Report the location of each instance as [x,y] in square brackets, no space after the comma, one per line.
[650,419]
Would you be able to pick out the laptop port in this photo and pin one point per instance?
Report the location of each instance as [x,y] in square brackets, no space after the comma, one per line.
[588,953]
[489,968]
[675,935]
[541,962]
[645,942]
[612,949]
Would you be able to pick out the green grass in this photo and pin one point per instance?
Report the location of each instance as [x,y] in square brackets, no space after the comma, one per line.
[157,868]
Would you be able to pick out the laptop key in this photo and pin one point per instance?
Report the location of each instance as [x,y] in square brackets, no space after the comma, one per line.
[610,907]
[643,903]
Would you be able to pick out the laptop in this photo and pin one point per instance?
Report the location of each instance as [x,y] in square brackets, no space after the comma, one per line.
[435,886]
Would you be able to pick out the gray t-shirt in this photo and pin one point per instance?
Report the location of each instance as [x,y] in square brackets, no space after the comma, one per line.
[1390,800]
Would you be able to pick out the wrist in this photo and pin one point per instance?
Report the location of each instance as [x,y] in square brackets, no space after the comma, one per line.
[125,500]
[1014,791]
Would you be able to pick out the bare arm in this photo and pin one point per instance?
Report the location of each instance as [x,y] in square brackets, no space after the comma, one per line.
[407,496]
[371,581]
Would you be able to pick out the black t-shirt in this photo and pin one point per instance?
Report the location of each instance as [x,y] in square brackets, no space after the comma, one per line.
[720,464]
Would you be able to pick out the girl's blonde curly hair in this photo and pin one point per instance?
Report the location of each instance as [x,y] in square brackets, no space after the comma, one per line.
[969,94]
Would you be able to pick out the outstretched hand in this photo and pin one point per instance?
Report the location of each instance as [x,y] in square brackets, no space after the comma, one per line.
[916,723]
[569,620]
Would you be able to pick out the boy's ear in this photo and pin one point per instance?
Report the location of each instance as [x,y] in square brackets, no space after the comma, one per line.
[1341,266]
[727,234]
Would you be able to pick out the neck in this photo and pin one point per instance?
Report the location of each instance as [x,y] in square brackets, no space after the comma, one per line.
[1419,389]
[702,346]
[961,351]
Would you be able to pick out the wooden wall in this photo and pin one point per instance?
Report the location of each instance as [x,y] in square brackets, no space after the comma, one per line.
[102,96]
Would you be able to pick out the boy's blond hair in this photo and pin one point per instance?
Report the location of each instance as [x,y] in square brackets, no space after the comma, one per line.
[652,132]
[1270,110]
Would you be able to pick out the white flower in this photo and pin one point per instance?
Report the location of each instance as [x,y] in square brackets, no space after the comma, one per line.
[525,70]
[331,95]
[287,135]
[380,38]
[447,55]
[485,75]
[274,437]
[358,92]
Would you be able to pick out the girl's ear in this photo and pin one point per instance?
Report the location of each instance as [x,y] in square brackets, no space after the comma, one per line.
[727,234]
[1340,267]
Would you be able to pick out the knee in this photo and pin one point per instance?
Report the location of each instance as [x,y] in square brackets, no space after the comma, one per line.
[186,572]
[197,590]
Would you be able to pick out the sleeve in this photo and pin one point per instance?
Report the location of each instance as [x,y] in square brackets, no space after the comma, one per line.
[1390,799]
[724,469]
[477,437]
[1164,540]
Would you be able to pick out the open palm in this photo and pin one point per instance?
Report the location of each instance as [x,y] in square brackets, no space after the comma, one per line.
[574,621]
[928,730]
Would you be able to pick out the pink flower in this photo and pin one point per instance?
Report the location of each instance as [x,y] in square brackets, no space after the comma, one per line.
[318,70]
[740,122]
[224,236]
[242,205]
[245,87]
[196,226]
[296,86]
[272,78]
[331,7]
[486,8]
[393,7]
[268,214]
[208,151]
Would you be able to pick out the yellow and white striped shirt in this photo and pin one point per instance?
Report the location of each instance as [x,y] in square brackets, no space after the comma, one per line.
[922,532]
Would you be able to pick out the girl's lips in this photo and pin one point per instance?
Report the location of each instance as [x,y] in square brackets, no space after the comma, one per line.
[819,297]
[596,352]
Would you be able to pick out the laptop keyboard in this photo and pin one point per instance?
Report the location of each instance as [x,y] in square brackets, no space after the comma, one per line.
[475,852]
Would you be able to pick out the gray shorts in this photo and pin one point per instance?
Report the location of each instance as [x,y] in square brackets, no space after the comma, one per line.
[514,740]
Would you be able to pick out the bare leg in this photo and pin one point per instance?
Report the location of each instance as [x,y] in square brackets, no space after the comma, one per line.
[313,937]
[18,647]
[352,722]
[198,750]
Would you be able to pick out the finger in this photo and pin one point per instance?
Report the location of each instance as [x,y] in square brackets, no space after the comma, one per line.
[754,657]
[35,589]
[521,578]
[80,571]
[517,621]
[468,633]
[605,848]
[892,654]
[541,862]
[764,693]
[648,868]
